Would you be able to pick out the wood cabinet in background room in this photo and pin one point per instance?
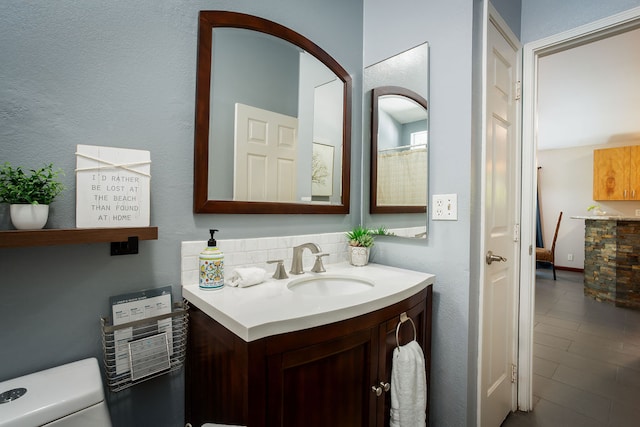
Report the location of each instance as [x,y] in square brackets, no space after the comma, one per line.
[616,173]
[323,376]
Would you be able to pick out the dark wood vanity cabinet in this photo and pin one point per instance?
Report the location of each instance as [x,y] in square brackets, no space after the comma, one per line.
[323,376]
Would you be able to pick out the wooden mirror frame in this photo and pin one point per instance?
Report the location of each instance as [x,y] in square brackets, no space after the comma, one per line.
[376,93]
[201,204]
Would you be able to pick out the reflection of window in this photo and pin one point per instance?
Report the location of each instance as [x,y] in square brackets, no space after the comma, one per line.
[418,139]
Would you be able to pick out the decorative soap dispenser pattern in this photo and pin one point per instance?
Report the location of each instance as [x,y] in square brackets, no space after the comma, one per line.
[211,266]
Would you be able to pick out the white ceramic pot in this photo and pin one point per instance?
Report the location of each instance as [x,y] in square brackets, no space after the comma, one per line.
[29,217]
[358,256]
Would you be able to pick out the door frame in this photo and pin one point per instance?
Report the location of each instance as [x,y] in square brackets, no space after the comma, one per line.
[531,53]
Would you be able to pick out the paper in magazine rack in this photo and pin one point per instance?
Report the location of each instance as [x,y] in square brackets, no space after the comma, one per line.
[152,352]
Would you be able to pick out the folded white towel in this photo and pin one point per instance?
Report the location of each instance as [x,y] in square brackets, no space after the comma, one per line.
[408,387]
[243,277]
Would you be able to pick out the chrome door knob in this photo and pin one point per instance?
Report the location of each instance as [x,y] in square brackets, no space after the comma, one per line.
[491,257]
[376,390]
[384,387]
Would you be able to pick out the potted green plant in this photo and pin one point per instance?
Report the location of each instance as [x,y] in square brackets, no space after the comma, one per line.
[360,241]
[382,231]
[29,194]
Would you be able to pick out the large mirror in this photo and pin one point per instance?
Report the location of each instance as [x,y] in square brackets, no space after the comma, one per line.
[273,120]
[396,91]
[399,136]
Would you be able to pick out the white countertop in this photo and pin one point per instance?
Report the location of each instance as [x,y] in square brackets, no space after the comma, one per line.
[271,308]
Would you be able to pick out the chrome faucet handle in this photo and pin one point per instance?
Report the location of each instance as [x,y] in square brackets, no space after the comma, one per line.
[280,272]
[318,267]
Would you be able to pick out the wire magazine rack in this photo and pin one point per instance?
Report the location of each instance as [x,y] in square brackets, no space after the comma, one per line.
[140,350]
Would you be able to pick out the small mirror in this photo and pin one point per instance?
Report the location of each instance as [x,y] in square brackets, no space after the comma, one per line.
[273,118]
[399,138]
[398,203]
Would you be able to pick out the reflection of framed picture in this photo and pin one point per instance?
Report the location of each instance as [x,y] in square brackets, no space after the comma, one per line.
[322,170]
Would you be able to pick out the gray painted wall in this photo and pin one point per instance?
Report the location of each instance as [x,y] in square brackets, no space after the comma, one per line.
[389,131]
[123,74]
[390,28]
[252,69]
[510,11]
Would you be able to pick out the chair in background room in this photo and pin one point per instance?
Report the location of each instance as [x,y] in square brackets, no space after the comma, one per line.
[548,255]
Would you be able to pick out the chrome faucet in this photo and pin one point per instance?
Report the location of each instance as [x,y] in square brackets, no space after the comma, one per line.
[296,262]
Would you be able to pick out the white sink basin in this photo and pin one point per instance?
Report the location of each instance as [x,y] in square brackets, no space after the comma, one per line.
[330,285]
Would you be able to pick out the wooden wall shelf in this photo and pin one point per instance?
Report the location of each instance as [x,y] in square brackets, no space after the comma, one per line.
[71,236]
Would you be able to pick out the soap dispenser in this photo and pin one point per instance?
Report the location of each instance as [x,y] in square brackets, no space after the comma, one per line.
[211,266]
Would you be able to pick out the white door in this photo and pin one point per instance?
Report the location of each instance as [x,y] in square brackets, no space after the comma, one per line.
[266,149]
[498,319]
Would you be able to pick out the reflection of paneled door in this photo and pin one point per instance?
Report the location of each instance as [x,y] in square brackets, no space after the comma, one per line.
[266,146]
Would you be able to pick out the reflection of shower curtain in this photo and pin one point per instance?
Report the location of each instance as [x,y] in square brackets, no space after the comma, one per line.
[402,178]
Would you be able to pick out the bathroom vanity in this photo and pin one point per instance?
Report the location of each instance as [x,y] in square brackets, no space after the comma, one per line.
[271,356]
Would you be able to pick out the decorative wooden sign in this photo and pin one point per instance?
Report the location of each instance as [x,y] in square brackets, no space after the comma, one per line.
[112,187]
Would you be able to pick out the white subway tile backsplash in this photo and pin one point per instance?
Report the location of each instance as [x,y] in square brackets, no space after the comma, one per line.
[285,242]
[267,243]
[277,253]
[327,239]
[236,258]
[226,246]
[251,244]
[192,248]
[257,257]
[190,276]
[189,262]
[256,252]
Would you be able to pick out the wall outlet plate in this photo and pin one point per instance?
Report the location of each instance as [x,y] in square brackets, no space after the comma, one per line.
[444,207]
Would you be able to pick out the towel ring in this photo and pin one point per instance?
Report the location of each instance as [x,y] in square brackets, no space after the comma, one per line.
[404,318]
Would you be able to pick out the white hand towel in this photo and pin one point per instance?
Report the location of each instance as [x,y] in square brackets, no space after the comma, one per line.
[408,387]
[243,277]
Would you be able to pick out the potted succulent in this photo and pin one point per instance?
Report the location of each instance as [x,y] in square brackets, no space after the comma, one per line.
[382,231]
[360,241]
[29,194]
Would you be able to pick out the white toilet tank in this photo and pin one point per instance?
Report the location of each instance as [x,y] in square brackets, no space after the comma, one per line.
[65,396]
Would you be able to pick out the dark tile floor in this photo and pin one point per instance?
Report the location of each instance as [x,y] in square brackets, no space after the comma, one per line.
[586,359]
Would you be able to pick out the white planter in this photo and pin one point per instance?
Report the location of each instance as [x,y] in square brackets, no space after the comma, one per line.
[358,256]
[29,217]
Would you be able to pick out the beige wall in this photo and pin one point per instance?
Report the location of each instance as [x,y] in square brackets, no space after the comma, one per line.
[566,184]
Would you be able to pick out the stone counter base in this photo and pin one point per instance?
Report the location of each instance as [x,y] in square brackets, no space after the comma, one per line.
[611,267]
